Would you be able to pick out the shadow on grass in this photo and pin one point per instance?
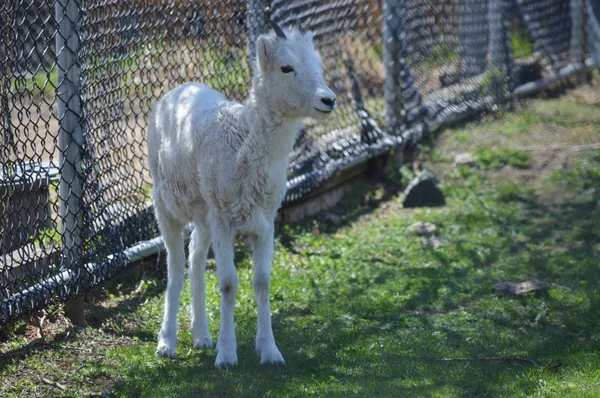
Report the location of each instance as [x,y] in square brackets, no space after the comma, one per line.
[98,315]
[153,269]
[354,342]
[334,359]
[32,346]
[363,199]
[389,332]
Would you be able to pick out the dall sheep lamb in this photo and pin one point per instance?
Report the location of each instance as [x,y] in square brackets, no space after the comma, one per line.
[222,166]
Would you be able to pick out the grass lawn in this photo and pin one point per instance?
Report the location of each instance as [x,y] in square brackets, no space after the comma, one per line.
[368,308]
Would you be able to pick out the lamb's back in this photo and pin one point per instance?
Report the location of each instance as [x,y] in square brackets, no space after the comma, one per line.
[185,137]
[182,120]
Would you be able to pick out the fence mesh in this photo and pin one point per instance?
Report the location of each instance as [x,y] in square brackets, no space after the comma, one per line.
[348,34]
[79,79]
[592,11]
[548,25]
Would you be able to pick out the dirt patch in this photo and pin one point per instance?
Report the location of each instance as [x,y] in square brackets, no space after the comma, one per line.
[586,95]
[545,162]
[40,327]
[66,361]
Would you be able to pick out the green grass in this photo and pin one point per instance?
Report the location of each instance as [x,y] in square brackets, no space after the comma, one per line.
[521,45]
[43,83]
[543,122]
[132,72]
[490,159]
[368,309]
[442,53]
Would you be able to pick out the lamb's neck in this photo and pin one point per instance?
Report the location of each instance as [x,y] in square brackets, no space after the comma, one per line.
[271,136]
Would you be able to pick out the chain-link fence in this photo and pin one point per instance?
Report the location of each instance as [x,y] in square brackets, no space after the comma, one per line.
[79,78]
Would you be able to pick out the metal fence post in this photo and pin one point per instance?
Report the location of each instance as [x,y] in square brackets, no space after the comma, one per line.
[577,41]
[496,42]
[393,70]
[70,141]
[471,39]
[592,31]
[255,25]
[500,60]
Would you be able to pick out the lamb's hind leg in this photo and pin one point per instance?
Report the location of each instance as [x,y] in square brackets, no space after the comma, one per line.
[223,239]
[172,234]
[199,246]
[263,253]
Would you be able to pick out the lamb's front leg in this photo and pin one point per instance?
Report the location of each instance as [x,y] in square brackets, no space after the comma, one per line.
[223,239]
[171,232]
[199,246]
[263,253]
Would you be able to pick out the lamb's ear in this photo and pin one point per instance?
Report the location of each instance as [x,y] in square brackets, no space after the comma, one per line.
[265,49]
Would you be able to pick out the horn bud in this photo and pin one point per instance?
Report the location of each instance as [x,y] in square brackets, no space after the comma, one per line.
[278,30]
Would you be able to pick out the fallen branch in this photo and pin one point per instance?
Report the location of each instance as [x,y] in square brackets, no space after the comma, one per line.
[53,384]
[25,350]
[96,394]
[507,359]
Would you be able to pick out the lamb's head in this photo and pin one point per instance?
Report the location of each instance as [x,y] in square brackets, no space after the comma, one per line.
[291,74]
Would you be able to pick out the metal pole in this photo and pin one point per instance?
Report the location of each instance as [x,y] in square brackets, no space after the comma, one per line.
[592,32]
[70,141]
[256,25]
[392,54]
[496,39]
[472,38]
[500,60]
[577,51]
[509,59]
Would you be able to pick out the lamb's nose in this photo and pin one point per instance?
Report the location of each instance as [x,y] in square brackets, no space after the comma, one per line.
[328,101]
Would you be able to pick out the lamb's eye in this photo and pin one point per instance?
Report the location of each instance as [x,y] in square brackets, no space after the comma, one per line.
[287,69]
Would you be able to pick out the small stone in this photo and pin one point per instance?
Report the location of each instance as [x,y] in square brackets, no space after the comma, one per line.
[433,243]
[422,228]
[423,191]
[464,159]
[333,219]
[517,289]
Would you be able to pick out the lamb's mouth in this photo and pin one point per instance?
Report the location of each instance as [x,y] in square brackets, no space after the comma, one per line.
[329,111]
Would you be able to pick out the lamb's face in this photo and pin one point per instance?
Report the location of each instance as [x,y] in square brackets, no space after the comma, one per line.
[292,74]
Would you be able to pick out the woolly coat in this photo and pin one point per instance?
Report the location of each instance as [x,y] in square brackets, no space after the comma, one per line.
[212,157]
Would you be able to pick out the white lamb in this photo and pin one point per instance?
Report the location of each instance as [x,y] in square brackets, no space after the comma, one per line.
[222,166]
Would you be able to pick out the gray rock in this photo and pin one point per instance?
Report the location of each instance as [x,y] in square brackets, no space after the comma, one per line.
[422,228]
[433,243]
[517,289]
[423,191]
[333,219]
[464,159]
